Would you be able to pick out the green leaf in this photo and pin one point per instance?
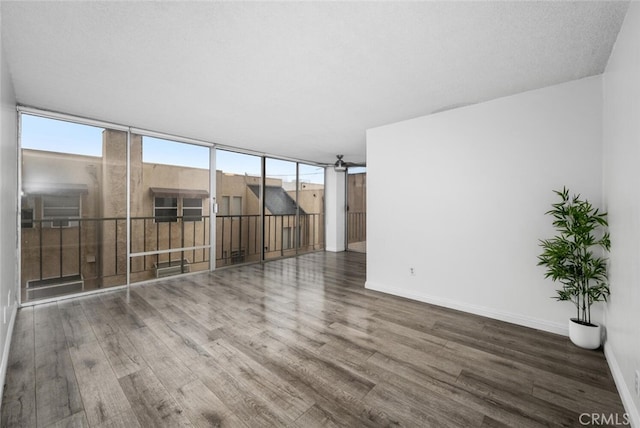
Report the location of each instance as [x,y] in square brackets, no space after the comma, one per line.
[569,256]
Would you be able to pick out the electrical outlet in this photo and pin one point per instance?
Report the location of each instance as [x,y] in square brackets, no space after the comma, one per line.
[413,271]
[637,383]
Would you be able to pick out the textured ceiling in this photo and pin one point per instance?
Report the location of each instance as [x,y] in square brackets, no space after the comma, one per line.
[296,79]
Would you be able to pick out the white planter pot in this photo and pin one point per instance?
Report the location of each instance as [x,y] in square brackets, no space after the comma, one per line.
[585,336]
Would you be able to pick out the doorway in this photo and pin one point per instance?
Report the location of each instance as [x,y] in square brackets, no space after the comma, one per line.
[357,209]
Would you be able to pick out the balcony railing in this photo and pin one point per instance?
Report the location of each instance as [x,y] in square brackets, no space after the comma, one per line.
[356,227]
[154,238]
[94,251]
[240,236]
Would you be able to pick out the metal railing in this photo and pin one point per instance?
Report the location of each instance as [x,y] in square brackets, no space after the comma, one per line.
[95,249]
[240,236]
[154,237]
[356,227]
[50,251]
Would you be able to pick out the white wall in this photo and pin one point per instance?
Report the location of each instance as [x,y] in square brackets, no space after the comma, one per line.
[335,210]
[8,210]
[621,129]
[464,204]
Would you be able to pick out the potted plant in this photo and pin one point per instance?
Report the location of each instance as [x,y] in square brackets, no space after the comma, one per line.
[570,260]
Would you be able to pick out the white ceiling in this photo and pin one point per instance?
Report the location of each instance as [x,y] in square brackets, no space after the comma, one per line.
[296,79]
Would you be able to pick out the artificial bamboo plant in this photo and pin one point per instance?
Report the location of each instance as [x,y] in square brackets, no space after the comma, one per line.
[569,256]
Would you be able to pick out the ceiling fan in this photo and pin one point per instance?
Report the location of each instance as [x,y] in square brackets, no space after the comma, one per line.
[341,165]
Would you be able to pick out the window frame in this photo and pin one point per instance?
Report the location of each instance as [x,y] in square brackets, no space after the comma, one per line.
[191,217]
[232,206]
[165,218]
[27,218]
[56,221]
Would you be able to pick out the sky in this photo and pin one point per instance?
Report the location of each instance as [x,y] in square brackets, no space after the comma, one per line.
[66,137]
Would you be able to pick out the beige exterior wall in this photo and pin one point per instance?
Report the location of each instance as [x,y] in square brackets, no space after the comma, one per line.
[112,192]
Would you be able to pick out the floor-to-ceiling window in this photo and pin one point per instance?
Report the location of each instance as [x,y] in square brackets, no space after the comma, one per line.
[105,205]
[281,222]
[357,209]
[311,203]
[169,203]
[238,221]
[73,207]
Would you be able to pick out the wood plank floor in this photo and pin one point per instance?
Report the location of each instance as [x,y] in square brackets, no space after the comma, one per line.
[291,343]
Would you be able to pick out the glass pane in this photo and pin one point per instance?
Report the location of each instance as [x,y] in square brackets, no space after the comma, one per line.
[191,203]
[192,214]
[236,205]
[61,201]
[74,208]
[166,214]
[238,222]
[311,202]
[357,209]
[27,218]
[166,202]
[165,177]
[223,208]
[280,209]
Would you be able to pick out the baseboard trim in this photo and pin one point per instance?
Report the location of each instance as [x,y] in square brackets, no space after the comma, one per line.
[5,354]
[624,390]
[512,318]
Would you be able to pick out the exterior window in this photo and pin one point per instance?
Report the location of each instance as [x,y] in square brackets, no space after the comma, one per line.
[236,205]
[230,205]
[165,210]
[192,209]
[27,218]
[61,210]
[224,206]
